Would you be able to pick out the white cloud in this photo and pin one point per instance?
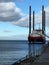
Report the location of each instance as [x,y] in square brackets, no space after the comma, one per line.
[6,0]
[47,16]
[24,22]
[9,12]
[19,0]
[7,31]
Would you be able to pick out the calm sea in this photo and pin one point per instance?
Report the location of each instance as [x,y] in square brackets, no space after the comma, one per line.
[11,51]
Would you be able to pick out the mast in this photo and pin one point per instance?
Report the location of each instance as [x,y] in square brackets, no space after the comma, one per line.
[33,19]
[43,20]
[29,20]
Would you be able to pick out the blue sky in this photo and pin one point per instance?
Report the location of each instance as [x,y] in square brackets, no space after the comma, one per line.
[36,5]
[9,29]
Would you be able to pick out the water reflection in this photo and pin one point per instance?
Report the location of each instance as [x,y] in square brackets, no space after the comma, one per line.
[34,49]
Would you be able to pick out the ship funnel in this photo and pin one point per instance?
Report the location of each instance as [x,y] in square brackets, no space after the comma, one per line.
[33,19]
[29,19]
[43,20]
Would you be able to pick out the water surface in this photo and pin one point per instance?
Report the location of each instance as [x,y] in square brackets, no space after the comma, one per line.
[11,51]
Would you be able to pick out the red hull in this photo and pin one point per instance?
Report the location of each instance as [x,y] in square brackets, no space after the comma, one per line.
[36,39]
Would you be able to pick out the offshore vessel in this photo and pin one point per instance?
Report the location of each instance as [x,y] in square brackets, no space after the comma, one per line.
[38,34]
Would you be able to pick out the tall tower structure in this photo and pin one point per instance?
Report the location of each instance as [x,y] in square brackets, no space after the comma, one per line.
[43,20]
[29,20]
[33,20]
